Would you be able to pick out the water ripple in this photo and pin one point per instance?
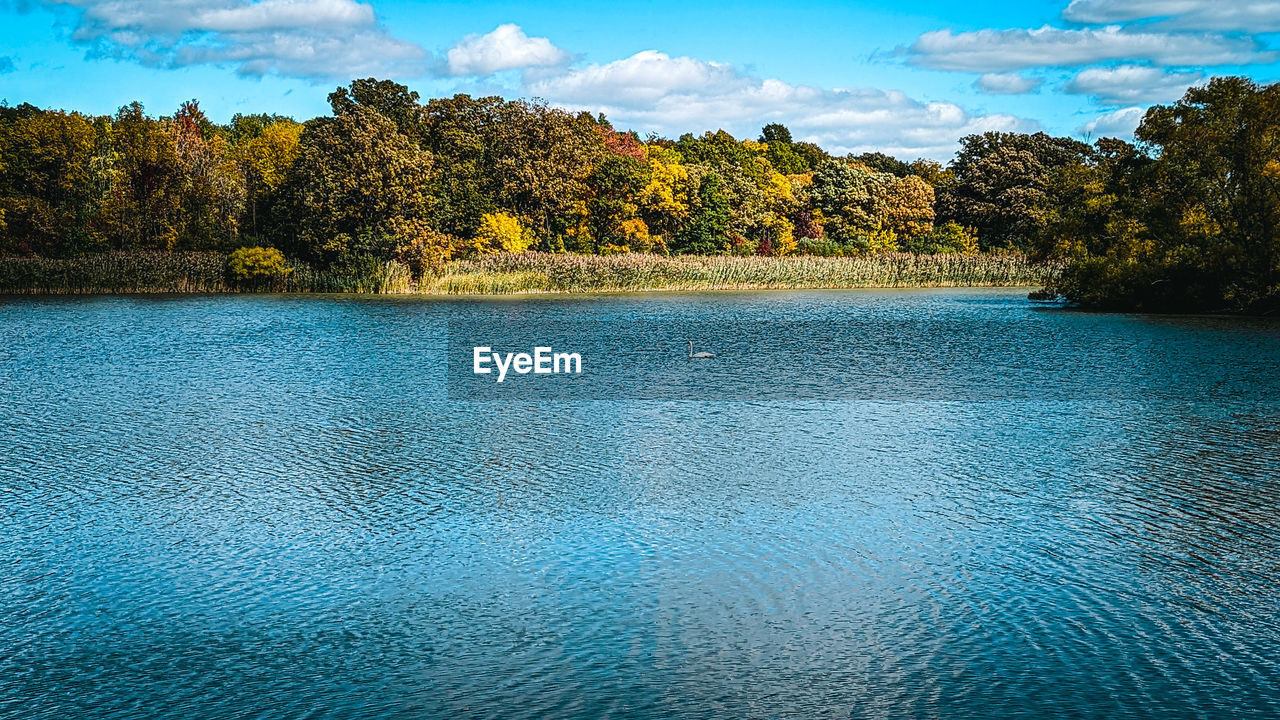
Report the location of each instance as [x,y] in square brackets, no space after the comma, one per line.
[963,507]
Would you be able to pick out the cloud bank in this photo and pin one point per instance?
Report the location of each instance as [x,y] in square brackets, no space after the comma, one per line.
[651,91]
[1252,16]
[1005,50]
[1130,84]
[313,39]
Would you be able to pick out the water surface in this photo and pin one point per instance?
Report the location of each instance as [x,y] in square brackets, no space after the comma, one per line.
[870,505]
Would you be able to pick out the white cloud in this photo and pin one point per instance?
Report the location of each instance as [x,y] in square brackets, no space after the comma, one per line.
[1120,124]
[1129,84]
[651,91]
[1007,84]
[1006,50]
[505,48]
[299,38]
[643,78]
[1224,15]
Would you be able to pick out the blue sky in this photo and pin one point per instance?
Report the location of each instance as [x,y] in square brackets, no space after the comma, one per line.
[904,78]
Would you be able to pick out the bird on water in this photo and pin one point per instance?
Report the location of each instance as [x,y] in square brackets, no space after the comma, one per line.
[699,355]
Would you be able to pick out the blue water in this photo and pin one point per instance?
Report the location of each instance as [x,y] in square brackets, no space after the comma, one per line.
[950,504]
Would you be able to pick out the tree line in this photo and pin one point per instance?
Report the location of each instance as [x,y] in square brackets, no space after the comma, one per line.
[1185,218]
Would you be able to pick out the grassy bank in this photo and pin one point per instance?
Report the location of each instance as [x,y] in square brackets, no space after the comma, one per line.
[526,273]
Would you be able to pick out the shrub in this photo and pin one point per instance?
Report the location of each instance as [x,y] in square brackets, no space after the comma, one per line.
[422,249]
[950,237]
[255,266]
[821,247]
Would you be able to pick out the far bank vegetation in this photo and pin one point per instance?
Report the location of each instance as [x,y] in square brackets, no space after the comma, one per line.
[461,194]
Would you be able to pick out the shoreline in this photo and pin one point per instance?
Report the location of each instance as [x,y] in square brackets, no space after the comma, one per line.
[184,273]
[520,294]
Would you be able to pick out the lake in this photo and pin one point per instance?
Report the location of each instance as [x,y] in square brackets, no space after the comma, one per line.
[870,504]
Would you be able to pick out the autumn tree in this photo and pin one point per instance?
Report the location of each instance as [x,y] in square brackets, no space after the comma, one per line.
[501,232]
[264,158]
[49,196]
[144,205]
[865,209]
[907,205]
[665,201]
[212,186]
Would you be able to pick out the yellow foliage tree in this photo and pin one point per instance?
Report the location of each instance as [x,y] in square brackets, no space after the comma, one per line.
[908,207]
[265,159]
[664,202]
[636,234]
[499,233]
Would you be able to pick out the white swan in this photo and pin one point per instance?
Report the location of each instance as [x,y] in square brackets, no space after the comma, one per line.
[700,355]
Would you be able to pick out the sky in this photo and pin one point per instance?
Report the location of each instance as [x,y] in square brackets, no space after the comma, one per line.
[907,79]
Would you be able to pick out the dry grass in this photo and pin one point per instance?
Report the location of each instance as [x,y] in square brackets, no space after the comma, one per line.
[538,272]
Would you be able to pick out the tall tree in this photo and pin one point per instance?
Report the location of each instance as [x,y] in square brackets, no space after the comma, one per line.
[392,100]
[264,159]
[144,207]
[48,195]
[707,232]
[1001,185]
[355,180]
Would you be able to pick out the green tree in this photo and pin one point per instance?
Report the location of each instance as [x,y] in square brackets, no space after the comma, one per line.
[1001,185]
[849,197]
[392,100]
[1189,222]
[614,187]
[707,232]
[782,154]
[356,177]
[880,162]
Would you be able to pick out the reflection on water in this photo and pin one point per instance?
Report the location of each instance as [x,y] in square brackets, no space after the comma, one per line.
[870,505]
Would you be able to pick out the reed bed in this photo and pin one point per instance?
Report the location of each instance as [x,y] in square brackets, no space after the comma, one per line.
[123,273]
[116,273]
[540,272]
[205,272]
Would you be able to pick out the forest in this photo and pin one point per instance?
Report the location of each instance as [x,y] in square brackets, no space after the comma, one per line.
[1183,219]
